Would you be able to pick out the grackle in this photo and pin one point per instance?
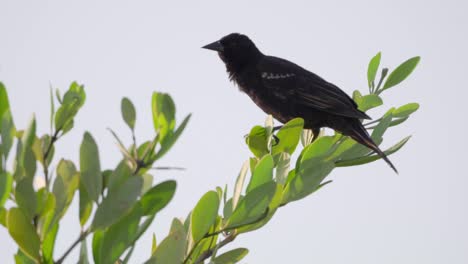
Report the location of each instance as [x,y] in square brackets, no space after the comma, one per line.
[286,91]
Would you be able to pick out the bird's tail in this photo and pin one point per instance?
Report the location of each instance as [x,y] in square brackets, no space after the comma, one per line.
[359,133]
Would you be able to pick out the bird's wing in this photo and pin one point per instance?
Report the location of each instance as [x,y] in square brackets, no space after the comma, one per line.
[289,81]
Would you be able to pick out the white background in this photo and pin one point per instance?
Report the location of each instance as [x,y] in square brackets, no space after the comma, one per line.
[131,48]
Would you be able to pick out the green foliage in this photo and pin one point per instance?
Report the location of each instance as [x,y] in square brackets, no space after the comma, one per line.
[276,181]
[124,200]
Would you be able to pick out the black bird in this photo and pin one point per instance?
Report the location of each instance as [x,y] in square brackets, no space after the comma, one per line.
[286,91]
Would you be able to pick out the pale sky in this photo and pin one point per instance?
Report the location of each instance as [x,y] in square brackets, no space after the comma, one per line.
[130,48]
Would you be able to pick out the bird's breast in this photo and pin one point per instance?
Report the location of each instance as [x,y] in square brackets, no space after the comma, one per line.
[270,103]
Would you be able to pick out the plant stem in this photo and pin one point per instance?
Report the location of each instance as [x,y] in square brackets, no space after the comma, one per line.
[210,252]
[53,139]
[82,236]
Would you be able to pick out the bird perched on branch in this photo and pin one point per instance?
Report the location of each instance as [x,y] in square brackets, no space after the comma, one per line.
[286,91]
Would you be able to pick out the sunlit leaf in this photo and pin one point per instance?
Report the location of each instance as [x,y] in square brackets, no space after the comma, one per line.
[401,72]
[405,110]
[289,136]
[48,244]
[252,206]
[158,197]
[204,215]
[368,102]
[6,181]
[163,109]
[23,232]
[257,140]
[372,69]
[262,173]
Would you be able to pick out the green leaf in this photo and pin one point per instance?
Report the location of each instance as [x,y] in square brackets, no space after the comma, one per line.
[26,197]
[372,69]
[147,182]
[65,185]
[253,206]
[4,102]
[75,94]
[231,257]
[7,132]
[120,236]
[154,244]
[368,102]
[168,141]
[405,110]
[72,101]
[307,180]
[44,212]
[157,197]
[3,216]
[172,248]
[282,167]
[96,245]
[22,231]
[90,167]
[86,205]
[21,258]
[262,173]
[119,176]
[257,140]
[380,129]
[163,110]
[117,204]
[83,253]
[396,122]
[401,72]
[49,243]
[204,215]
[128,112]
[368,159]
[6,181]
[289,136]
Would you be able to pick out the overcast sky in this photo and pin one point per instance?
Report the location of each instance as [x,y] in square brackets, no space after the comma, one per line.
[131,48]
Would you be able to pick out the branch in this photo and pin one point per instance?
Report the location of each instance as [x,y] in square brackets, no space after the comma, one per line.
[210,252]
[82,236]
[53,139]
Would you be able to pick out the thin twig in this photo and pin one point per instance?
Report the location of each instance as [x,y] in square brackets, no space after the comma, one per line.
[82,236]
[53,139]
[210,252]
[168,168]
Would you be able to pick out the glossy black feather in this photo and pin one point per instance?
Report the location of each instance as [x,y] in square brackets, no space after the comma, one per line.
[286,91]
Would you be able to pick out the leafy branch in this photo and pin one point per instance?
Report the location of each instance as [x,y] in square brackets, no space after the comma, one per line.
[276,180]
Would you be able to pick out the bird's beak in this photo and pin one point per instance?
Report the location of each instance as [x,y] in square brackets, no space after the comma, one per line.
[216,46]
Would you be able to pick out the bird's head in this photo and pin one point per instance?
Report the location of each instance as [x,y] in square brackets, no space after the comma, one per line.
[236,50]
